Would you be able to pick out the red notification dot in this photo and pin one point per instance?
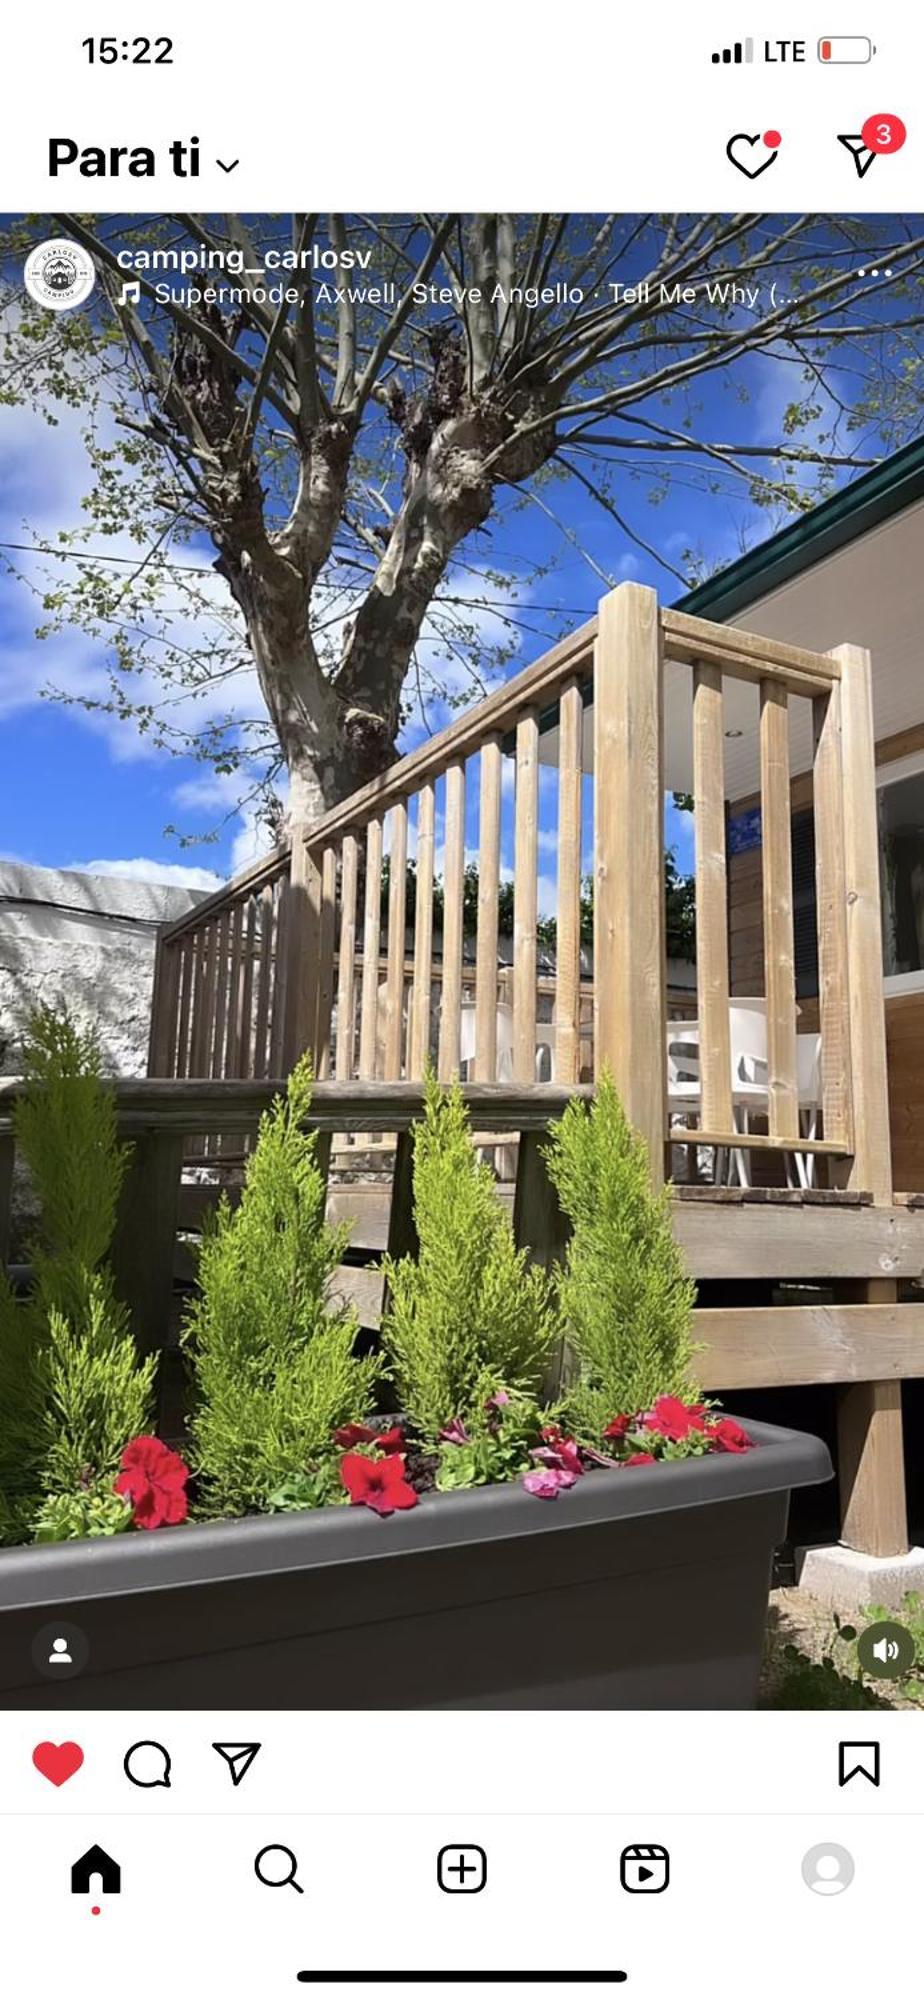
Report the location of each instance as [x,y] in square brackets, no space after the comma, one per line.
[773,138]
[884,133]
[95,1910]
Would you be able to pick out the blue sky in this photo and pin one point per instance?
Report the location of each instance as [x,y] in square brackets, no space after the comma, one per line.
[78,789]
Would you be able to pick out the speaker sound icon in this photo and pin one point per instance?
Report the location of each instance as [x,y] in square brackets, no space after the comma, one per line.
[885,1649]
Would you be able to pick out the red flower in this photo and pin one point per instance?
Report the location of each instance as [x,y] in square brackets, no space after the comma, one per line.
[350,1434]
[673,1419]
[378,1483]
[618,1427]
[154,1479]
[640,1458]
[729,1436]
[559,1450]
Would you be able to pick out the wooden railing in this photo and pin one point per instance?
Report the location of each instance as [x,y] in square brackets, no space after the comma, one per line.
[299,953]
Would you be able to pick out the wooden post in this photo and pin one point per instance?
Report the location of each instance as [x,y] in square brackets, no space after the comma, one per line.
[568,942]
[871,1461]
[630,974]
[302,953]
[145,1240]
[489,835]
[165,997]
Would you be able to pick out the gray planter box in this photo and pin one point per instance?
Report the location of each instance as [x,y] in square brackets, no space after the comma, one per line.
[638,1589]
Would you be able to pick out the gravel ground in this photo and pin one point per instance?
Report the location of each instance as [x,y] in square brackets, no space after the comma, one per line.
[796,1619]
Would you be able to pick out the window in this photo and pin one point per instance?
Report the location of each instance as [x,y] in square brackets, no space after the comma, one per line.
[901,852]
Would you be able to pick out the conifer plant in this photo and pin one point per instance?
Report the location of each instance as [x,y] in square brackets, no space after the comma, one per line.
[625,1300]
[272,1355]
[73,1390]
[471,1316]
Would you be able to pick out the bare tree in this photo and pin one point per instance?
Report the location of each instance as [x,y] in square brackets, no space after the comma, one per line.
[341,450]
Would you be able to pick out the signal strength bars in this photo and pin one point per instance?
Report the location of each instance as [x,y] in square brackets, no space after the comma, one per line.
[739,52]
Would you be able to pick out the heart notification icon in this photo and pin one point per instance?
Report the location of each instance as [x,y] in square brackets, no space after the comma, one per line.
[753,152]
[57,1761]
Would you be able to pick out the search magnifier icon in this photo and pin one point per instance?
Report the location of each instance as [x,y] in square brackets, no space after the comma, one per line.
[277,1868]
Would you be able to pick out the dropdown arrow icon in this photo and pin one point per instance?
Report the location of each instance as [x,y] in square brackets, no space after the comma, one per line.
[228,166]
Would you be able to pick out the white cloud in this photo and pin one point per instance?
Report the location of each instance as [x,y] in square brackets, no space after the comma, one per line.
[175,874]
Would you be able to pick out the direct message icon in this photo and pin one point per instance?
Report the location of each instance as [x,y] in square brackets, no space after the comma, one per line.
[238,1757]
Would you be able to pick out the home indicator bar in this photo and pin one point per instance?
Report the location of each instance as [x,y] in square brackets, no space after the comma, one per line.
[500,1977]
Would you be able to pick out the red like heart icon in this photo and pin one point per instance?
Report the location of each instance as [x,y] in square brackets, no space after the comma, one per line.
[57,1761]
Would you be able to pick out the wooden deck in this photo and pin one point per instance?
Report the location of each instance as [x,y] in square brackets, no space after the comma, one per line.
[306,952]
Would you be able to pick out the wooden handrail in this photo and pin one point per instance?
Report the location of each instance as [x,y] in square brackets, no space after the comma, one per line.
[249,883]
[187,1107]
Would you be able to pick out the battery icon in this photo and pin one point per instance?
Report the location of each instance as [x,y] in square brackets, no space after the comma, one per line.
[845,49]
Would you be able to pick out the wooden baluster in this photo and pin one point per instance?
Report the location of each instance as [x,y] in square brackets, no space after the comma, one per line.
[397,926]
[326,937]
[568,939]
[218,1063]
[525,897]
[630,974]
[419,1033]
[278,987]
[489,838]
[779,941]
[712,982]
[245,1012]
[205,1004]
[346,976]
[187,970]
[454,878]
[235,977]
[831,900]
[302,953]
[372,932]
[264,980]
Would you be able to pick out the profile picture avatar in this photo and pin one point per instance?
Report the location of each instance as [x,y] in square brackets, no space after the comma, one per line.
[59,274]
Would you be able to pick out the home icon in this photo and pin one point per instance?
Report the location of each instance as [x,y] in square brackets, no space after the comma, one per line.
[96,1863]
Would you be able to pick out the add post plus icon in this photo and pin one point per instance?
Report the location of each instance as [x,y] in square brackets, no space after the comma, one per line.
[644,1870]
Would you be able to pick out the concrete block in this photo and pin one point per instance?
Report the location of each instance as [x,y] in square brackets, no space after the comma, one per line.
[847,1580]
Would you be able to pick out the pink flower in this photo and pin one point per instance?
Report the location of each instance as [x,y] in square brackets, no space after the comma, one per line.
[455,1433]
[547,1484]
[499,1400]
[558,1450]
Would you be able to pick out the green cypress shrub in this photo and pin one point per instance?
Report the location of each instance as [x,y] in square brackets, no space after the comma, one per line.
[73,1391]
[471,1315]
[625,1300]
[274,1361]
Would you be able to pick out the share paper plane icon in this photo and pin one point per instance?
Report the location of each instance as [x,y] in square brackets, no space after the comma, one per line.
[238,1757]
[861,154]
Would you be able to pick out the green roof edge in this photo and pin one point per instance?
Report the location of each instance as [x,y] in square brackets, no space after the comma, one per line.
[878,494]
